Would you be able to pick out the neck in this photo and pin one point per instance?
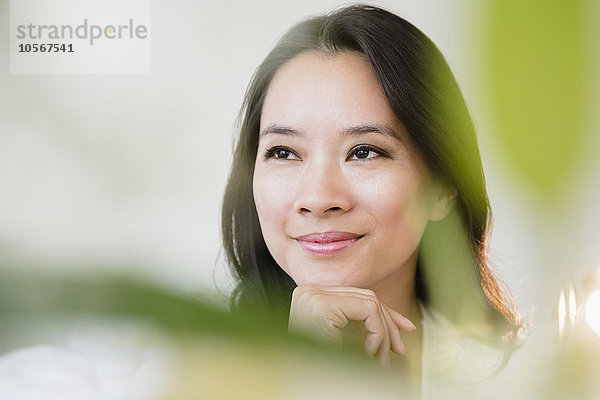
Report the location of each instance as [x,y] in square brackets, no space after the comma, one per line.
[398,292]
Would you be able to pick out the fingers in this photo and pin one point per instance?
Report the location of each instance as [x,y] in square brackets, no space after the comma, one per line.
[401,321]
[398,319]
[376,328]
[383,354]
[397,345]
[326,310]
[323,312]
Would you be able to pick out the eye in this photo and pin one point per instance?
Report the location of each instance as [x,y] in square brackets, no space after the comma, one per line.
[282,153]
[365,152]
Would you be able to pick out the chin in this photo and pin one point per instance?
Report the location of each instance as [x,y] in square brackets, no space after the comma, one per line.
[326,280]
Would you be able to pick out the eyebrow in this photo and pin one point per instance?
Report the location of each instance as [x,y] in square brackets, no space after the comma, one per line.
[351,131]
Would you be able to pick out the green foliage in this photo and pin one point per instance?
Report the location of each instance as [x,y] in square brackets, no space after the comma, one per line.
[25,298]
[538,71]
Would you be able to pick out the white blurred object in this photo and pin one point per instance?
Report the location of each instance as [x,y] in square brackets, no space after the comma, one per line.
[562,312]
[592,312]
[99,366]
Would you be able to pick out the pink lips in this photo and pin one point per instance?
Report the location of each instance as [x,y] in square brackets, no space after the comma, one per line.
[327,243]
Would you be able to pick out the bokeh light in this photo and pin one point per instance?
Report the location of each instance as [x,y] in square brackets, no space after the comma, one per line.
[592,312]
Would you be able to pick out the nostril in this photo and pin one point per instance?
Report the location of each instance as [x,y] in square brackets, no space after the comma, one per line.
[304,209]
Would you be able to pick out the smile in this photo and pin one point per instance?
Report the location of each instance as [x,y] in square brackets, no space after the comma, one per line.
[327,243]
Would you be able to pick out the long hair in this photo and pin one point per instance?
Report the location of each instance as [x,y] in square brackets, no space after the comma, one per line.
[453,274]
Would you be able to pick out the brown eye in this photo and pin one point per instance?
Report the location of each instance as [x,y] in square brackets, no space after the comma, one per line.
[362,153]
[282,153]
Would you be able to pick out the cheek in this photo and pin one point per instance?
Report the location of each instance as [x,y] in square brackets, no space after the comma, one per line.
[399,205]
[272,198]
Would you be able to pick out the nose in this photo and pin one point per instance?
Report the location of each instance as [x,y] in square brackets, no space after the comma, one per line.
[323,190]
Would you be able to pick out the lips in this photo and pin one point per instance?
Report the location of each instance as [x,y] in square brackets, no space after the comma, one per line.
[327,243]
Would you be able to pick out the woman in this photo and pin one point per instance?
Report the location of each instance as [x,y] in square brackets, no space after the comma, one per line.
[357,192]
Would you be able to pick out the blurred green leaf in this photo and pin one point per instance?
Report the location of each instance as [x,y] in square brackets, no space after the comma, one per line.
[538,70]
[29,298]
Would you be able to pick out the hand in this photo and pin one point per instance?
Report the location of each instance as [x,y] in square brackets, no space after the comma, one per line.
[324,311]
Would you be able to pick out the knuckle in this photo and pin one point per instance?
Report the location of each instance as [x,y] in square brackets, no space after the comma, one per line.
[371,305]
[318,298]
[311,299]
[301,290]
[370,293]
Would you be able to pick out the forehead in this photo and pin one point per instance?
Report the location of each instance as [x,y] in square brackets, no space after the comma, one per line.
[329,91]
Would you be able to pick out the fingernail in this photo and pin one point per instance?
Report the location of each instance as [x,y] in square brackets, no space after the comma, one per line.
[409,325]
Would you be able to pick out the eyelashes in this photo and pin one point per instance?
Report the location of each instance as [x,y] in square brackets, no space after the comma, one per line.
[365,150]
[360,152]
[281,152]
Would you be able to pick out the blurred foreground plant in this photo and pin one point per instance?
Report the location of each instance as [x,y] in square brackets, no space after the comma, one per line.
[216,355]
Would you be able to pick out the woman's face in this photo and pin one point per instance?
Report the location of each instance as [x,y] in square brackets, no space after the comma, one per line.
[341,194]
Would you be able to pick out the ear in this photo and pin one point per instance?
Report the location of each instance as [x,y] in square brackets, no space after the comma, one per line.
[444,199]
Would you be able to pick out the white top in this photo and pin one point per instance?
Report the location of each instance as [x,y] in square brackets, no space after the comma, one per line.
[456,366]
